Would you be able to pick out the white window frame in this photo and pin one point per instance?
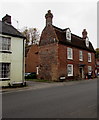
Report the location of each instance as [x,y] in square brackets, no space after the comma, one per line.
[4,71]
[5,43]
[71,72]
[69,53]
[89,68]
[68,35]
[87,42]
[89,57]
[37,70]
[80,55]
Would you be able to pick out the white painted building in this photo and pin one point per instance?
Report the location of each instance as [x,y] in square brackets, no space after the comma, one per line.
[11,53]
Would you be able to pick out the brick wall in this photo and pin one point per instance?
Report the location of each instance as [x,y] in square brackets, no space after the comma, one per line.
[48,57]
[63,61]
[31,61]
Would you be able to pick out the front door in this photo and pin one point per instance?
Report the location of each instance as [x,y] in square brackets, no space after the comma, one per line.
[81,70]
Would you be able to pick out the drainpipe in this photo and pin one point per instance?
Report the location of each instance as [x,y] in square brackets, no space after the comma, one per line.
[23,67]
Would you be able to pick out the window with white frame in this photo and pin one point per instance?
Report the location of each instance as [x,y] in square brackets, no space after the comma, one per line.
[4,70]
[69,53]
[87,42]
[80,55]
[89,57]
[69,70]
[5,43]
[37,70]
[89,68]
[68,35]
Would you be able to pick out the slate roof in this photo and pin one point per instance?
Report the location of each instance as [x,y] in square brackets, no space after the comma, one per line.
[8,29]
[76,41]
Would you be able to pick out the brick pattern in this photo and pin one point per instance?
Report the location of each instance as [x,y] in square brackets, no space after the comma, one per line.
[48,60]
[48,36]
[31,60]
[53,58]
[53,52]
[63,61]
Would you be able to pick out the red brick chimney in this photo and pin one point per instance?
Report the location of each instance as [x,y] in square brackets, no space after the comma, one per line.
[49,17]
[7,19]
[84,34]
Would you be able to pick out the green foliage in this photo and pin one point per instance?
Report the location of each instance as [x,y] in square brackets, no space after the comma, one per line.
[38,80]
[97,53]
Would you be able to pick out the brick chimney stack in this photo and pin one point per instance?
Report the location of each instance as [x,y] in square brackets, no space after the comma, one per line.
[84,34]
[49,17]
[7,19]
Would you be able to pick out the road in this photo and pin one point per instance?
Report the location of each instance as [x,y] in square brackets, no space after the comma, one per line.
[77,100]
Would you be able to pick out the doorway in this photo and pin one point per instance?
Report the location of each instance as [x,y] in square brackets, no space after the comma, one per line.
[81,71]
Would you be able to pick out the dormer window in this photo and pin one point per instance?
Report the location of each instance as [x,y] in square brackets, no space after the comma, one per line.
[87,42]
[68,35]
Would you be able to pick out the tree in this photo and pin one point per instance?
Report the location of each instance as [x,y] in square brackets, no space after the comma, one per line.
[32,36]
[26,34]
[97,53]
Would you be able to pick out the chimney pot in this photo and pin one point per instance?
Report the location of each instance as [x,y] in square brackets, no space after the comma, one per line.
[84,34]
[49,17]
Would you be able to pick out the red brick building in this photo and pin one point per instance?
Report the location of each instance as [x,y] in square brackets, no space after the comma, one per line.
[97,66]
[63,55]
[31,58]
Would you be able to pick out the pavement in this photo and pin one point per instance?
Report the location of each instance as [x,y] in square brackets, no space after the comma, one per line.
[39,85]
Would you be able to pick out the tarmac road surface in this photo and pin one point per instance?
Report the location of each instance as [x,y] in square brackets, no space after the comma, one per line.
[75,100]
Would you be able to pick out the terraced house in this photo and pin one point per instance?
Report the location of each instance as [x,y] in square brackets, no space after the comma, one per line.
[63,54]
[11,53]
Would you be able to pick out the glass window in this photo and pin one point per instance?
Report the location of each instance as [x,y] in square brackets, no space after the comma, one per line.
[68,34]
[80,55]
[89,57]
[69,70]
[87,42]
[69,53]
[89,69]
[4,70]
[5,43]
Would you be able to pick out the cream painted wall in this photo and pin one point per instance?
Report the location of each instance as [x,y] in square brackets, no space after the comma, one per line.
[16,60]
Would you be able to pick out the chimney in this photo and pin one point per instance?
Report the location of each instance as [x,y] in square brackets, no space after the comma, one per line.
[49,17]
[7,19]
[84,34]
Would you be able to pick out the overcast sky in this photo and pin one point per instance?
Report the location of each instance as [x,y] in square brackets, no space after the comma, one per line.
[77,15]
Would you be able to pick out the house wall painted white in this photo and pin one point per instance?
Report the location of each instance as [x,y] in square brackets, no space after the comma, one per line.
[16,60]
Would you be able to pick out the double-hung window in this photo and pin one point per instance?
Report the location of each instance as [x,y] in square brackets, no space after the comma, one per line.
[89,68]
[5,43]
[69,53]
[68,35]
[89,57]
[69,70]
[4,71]
[80,55]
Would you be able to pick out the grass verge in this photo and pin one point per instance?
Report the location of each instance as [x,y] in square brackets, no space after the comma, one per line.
[38,80]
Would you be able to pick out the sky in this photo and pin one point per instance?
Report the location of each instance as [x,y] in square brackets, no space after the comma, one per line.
[74,14]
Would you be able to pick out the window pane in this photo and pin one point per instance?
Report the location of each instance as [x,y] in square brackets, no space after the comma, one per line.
[70,70]
[89,57]
[4,70]
[80,56]
[69,53]
[5,43]
[89,68]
